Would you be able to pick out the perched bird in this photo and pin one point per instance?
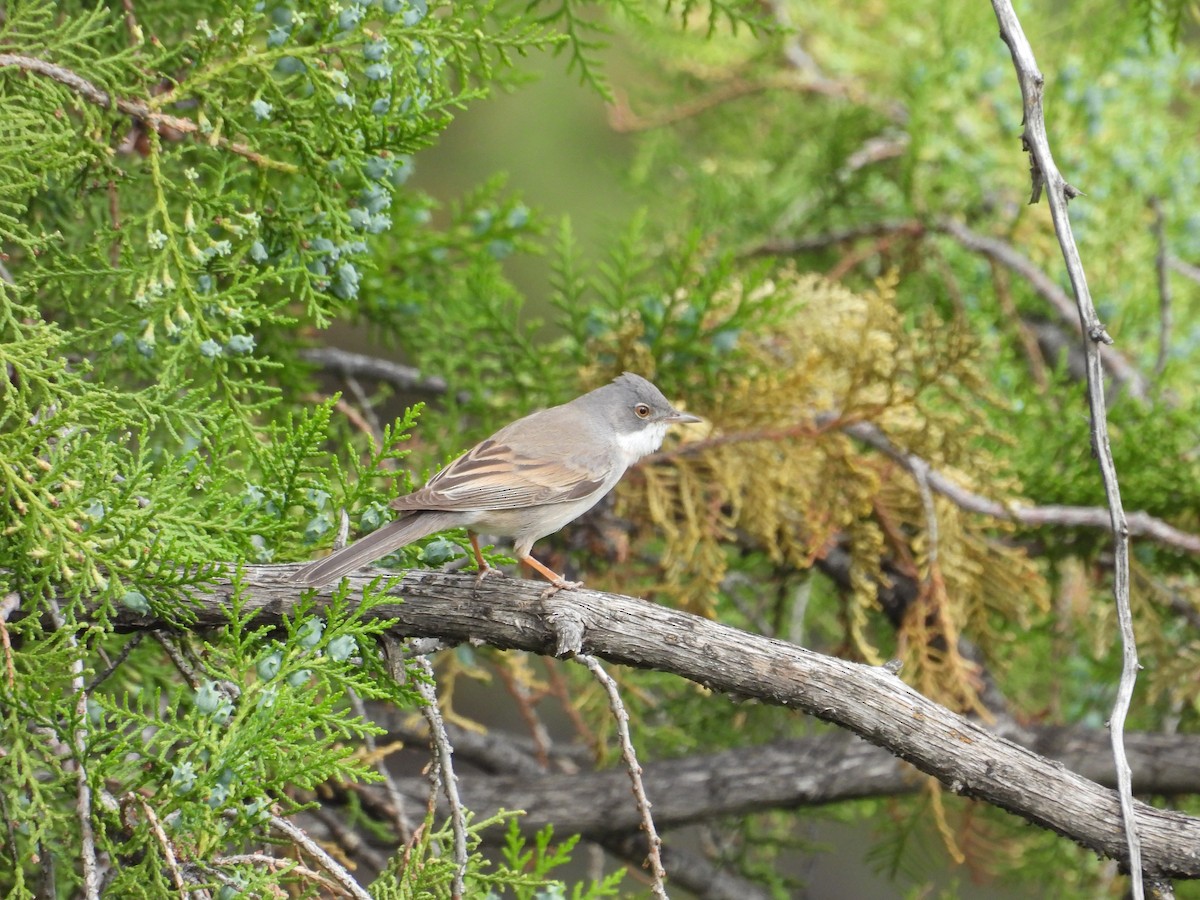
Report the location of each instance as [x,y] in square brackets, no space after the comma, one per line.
[526,481]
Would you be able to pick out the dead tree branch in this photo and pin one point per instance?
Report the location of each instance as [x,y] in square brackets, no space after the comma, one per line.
[870,702]
[1044,174]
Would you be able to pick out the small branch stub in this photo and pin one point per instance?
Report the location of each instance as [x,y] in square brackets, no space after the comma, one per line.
[568,629]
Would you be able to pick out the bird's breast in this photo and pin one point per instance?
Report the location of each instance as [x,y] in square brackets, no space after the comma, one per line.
[633,445]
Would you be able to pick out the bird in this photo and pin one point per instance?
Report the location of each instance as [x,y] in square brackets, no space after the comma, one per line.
[526,481]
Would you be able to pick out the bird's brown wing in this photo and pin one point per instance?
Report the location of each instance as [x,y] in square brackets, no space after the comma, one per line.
[493,475]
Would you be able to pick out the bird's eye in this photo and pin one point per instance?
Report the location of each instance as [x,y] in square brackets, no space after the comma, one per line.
[642,411]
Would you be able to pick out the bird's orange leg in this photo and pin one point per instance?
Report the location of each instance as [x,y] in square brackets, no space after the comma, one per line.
[484,569]
[557,582]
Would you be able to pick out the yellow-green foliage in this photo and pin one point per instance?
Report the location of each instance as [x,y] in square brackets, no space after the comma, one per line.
[773,470]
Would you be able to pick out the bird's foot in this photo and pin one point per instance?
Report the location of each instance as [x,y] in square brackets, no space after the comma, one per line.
[561,585]
[486,571]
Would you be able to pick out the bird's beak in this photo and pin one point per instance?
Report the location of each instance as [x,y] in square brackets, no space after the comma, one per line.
[681,418]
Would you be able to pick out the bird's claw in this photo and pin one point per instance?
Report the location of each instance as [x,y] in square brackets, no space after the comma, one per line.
[487,571]
[561,585]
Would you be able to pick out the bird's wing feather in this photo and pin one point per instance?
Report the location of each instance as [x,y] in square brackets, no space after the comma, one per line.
[493,475]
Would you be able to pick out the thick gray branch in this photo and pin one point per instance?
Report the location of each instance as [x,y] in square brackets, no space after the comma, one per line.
[868,701]
[786,774]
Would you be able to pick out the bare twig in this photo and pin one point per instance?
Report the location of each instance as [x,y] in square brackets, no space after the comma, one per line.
[12,845]
[406,378]
[8,604]
[791,246]
[338,872]
[368,409]
[179,658]
[1121,369]
[404,828]
[558,687]
[1139,523]
[1118,366]
[1184,268]
[1045,174]
[657,874]
[1164,286]
[622,118]
[1025,334]
[112,665]
[526,702]
[83,804]
[275,865]
[931,521]
[794,54]
[445,763]
[134,108]
[350,840]
[131,23]
[168,850]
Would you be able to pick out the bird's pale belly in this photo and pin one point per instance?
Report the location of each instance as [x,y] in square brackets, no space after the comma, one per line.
[533,522]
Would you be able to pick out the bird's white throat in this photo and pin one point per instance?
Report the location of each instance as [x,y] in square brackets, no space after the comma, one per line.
[636,444]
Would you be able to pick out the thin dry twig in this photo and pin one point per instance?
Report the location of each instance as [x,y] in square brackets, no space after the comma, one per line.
[131,23]
[526,702]
[1045,174]
[350,839]
[14,848]
[1164,286]
[1025,334]
[1139,523]
[336,870]
[657,874]
[622,118]
[931,519]
[1184,268]
[445,764]
[179,658]
[275,864]
[168,850]
[134,108]
[83,804]
[558,687]
[406,378]
[1119,367]
[8,605]
[825,240]
[368,409]
[111,665]
[404,828]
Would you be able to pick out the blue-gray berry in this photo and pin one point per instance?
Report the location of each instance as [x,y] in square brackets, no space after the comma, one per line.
[378,71]
[374,51]
[240,343]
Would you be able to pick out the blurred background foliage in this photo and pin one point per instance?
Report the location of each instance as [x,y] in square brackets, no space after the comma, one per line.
[793,217]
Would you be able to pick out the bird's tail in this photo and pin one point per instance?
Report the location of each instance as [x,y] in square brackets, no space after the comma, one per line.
[367,549]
